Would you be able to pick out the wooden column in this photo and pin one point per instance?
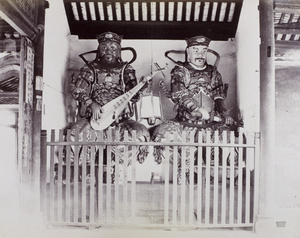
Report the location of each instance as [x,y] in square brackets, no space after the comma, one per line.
[267,116]
[37,108]
[43,171]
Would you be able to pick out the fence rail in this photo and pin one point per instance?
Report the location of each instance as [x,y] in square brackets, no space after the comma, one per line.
[205,180]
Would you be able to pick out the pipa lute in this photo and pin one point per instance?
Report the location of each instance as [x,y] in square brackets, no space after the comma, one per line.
[112,110]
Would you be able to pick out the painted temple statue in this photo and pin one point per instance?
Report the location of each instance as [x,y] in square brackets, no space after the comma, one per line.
[198,92]
[196,89]
[103,81]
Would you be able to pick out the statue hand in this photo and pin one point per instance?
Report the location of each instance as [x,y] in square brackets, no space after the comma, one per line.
[148,83]
[200,113]
[229,120]
[205,114]
[196,114]
[96,111]
[148,79]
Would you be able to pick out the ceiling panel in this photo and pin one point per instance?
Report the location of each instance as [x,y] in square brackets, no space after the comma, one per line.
[138,19]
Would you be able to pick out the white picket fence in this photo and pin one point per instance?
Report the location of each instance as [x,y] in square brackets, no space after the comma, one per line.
[78,188]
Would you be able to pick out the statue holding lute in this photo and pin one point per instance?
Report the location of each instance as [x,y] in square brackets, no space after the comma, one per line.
[105,90]
[111,111]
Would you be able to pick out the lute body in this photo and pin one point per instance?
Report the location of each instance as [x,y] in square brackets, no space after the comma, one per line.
[112,110]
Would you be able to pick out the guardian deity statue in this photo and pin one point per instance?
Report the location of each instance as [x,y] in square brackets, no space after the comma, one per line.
[198,92]
[101,81]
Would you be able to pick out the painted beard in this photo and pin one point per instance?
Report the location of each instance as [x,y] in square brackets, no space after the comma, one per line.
[108,59]
[199,62]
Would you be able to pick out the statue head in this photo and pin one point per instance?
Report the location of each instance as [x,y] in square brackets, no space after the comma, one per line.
[197,50]
[109,49]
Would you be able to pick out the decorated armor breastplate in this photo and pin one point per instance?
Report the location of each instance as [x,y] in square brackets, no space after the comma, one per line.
[199,82]
[108,85]
[200,88]
[198,85]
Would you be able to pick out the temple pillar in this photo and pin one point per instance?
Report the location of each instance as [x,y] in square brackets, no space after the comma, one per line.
[37,116]
[265,216]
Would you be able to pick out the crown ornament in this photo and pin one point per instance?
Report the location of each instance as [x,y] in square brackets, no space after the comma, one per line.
[109,36]
[198,40]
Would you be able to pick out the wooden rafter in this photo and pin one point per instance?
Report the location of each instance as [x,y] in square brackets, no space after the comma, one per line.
[287,28]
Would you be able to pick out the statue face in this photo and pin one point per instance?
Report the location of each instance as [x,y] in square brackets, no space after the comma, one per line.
[197,54]
[109,52]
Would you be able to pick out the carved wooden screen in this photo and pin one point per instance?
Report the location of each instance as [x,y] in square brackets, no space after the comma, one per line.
[29,8]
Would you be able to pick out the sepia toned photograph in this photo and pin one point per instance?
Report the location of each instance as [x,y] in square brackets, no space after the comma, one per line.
[144,118]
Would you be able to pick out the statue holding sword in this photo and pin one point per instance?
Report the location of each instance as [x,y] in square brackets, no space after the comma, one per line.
[198,92]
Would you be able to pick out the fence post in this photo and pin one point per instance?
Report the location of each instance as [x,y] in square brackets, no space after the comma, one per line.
[43,169]
[256,173]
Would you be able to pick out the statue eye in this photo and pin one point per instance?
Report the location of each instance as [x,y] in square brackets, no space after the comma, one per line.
[103,47]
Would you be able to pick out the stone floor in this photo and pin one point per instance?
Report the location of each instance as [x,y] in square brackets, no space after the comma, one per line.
[13,232]
[32,227]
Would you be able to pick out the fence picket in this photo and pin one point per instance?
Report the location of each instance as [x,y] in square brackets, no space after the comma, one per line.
[117,179]
[83,157]
[207,178]
[240,181]
[52,182]
[100,179]
[256,172]
[133,177]
[166,187]
[247,195]
[92,180]
[216,178]
[60,180]
[182,179]
[191,178]
[175,186]
[76,177]
[68,179]
[224,181]
[109,177]
[199,179]
[231,182]
[125,179]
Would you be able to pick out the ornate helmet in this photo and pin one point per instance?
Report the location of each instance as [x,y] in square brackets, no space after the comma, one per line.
[197,40]
[109,36]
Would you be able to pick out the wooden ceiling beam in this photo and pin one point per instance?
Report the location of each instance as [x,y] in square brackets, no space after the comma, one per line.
[155,30]
[287,28]
[283,6]
[287,44]
[9,94]
[287,25]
